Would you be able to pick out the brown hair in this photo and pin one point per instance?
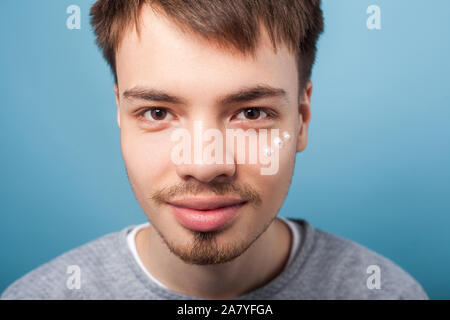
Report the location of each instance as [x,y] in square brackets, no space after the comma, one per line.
[230,23]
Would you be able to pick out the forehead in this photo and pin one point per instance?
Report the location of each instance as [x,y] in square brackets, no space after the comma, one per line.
[166,57]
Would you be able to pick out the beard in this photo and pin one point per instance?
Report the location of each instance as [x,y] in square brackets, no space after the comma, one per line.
[204,249]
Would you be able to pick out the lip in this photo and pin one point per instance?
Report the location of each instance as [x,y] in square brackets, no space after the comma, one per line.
[206,214]
[209,203]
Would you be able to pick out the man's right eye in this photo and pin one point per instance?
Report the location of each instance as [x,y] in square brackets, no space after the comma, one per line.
[155,114]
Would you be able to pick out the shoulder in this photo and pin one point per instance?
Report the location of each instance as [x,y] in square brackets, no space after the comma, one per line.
[59,278]
[340,268]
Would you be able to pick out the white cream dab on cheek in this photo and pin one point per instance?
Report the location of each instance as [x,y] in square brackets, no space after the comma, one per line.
[278,142]
[268,151]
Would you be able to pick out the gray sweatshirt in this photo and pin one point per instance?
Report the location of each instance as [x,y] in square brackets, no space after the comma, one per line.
[325,266]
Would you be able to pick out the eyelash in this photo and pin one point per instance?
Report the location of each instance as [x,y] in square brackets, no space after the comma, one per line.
[271,114]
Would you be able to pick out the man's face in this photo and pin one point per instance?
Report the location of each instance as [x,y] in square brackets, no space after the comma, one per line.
[200,74]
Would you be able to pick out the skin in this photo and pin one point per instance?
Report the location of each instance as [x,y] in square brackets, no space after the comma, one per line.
[254,247]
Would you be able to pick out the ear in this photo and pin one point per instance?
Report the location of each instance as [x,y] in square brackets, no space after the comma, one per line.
[304,116]
[116,92]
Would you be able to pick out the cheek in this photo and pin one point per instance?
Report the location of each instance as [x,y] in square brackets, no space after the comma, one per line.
[277,185]
[272,188]
[145,156]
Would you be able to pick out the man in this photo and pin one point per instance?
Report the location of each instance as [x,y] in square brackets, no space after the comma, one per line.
[236,67]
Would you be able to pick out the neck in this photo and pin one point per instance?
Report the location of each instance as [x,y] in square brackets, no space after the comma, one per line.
[258,265]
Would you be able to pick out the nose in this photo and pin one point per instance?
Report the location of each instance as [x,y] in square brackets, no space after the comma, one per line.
[206,172]
[201,167]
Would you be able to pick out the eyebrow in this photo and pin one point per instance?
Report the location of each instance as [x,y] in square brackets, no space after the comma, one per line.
[245,94]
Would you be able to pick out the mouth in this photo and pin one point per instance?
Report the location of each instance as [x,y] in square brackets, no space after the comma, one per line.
[206,214]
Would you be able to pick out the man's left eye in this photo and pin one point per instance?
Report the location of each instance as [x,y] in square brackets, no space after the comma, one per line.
[252,114]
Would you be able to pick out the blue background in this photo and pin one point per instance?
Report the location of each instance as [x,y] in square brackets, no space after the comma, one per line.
[376,169]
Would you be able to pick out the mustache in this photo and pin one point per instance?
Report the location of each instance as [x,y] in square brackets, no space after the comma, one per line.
[244,191]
